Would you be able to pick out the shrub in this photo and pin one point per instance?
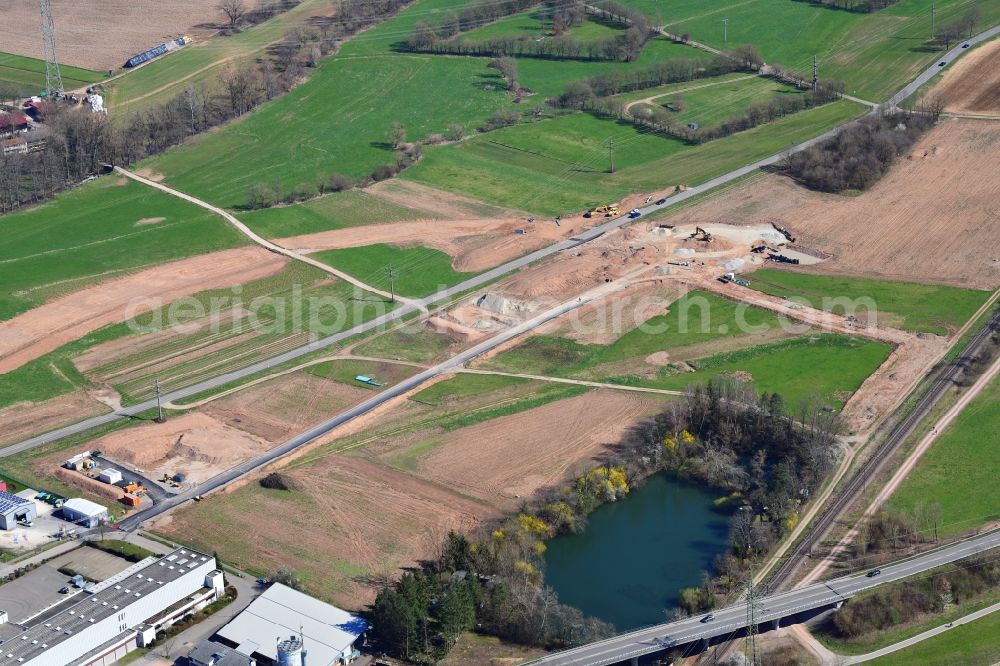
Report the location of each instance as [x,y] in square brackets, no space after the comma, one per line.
[276,481]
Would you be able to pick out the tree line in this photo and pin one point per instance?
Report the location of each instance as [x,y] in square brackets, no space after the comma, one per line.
[860,154]
[892,605]
[950,33]
[861,6]
[662,118]
[766,458]
[445,36]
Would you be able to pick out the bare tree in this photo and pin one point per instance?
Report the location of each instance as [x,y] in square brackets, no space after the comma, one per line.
[234,10]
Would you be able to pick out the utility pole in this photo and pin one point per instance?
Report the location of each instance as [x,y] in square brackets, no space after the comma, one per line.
[753,610]
[725,30]
[610,143]
[933,10]
[815,74]
[159,408]
[53,78]
[392,274]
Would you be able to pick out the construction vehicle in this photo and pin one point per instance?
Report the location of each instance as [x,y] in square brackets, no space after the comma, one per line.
[784,231]
[612,211]
[701,235]
[600,210]
[782,259]
[731,277]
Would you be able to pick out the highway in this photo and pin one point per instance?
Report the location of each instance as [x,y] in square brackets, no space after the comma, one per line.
[732,619]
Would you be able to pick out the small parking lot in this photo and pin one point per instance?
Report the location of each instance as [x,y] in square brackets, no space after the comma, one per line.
[45,528]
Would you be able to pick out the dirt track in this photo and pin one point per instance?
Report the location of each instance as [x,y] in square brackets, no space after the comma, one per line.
[68,318]
[929,220]
[103,34]
[972,85]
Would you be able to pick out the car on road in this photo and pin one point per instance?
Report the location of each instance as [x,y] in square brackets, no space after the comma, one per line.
[965,45]
[635,213]
[873,573]
[708,618]
[941,64]
[660,202]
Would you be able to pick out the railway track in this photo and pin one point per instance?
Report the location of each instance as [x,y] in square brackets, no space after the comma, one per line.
[780,576]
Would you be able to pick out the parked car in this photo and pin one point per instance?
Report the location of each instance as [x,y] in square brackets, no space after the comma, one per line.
[708,618]
[873,573]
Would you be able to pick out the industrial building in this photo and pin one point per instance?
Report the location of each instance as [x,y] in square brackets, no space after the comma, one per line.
[284,626]
[83,512]
[109,619]
[15,509]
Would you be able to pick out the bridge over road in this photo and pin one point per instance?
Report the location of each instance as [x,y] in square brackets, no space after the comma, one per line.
[772,609]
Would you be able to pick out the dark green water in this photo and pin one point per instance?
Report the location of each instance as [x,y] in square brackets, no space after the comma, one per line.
[634,556]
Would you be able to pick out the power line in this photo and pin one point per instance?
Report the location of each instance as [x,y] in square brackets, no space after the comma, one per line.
[392,274]
[610,143]
[53,77]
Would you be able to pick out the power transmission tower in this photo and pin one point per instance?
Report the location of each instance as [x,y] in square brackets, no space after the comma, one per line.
[725,30]
[815,74]
[53,78]
[610,143]
[753,611]
[392,274]
[159,408]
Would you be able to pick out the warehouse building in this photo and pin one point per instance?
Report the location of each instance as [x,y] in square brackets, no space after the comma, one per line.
[285,626]
[15,509]
[83,512]
[109,619]
[110,475]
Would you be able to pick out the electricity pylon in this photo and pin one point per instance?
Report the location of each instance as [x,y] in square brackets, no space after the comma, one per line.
[53,78]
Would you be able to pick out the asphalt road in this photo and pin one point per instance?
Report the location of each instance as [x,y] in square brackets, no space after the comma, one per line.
[781,575]
[732,619]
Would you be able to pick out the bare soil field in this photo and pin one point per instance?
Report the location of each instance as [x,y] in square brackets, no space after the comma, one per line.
[505,459]
[26,419]
[972,85]
[355,522]
[70,317]
[473,244]
[103,34]
[436,203]
[277,409]
[197,445]
[933,218]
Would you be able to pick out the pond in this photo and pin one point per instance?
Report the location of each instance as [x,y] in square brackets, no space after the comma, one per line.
[636,554]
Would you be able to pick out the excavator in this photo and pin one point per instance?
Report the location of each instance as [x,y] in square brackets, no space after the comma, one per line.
[701,234]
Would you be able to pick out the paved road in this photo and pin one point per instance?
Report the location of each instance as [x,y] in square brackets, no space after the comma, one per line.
[732,619]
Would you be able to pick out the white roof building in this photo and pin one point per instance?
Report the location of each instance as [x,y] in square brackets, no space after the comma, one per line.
[79,510]
[110,475]
[328,632]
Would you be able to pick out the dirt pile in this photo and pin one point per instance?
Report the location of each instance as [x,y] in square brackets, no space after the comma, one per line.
[88,485]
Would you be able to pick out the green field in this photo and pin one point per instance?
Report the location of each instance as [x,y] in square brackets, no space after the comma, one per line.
[415,342]
[958,470]
[27,75]
[560,166]
[829,366]
[165,77]
[345,371]
[973,644]
[875,54]
[694,318]
[332,211]
[710,103]
[420,270]
[92,233]
[914,307]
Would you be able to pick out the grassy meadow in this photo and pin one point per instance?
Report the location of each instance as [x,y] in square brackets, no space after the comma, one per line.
[27,75]
[420,271]
[920,308]
[93,233]
[958,470]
